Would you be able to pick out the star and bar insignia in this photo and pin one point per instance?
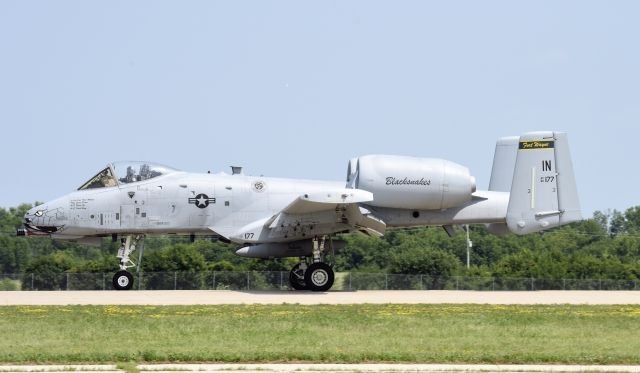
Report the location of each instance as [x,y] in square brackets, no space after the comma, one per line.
[201,200]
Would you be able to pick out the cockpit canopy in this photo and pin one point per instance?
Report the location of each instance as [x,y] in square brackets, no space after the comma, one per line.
[120,173]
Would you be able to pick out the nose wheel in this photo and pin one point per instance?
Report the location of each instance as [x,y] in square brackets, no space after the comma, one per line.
[122,280]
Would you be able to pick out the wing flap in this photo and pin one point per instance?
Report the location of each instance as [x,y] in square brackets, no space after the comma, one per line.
[371,224]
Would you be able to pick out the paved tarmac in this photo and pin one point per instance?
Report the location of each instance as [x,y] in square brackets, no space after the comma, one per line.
[212,297]
[301,368]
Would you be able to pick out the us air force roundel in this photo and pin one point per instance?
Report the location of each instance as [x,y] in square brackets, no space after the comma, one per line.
[201,200]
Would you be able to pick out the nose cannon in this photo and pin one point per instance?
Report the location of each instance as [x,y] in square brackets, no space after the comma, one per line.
[29,228]
[23,232]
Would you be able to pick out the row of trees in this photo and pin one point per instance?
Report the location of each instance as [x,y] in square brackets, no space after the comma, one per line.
[606,246]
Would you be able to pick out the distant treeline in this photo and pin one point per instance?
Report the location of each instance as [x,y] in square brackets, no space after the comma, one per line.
[607,246]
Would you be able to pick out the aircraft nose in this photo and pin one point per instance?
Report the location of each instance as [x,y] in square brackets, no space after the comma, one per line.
[32,214]
[28,224]
[39,220]
[28,216]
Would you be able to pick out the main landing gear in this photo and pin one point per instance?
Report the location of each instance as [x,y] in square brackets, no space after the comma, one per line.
[123,279]
[317,275]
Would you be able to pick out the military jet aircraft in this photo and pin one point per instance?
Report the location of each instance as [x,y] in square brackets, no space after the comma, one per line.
[532,188]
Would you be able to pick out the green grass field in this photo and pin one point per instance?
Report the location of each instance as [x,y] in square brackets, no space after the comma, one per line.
[348,333]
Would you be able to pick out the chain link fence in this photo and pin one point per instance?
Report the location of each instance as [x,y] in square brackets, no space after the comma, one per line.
[266,281]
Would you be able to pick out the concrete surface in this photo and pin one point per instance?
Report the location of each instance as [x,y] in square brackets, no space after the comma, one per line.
[212,297]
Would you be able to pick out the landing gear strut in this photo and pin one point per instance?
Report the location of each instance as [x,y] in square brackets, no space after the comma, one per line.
[296,276]
[317,276]
[123,279]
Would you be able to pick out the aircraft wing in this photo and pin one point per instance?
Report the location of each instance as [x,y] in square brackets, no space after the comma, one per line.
[310,203]
[311,215]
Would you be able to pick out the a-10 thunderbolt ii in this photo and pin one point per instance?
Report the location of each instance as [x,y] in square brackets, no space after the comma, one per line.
[532,188]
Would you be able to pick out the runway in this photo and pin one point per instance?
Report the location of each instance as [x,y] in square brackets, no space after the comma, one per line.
[215,297]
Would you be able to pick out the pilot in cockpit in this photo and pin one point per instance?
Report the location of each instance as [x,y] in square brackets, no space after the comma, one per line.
[109,181]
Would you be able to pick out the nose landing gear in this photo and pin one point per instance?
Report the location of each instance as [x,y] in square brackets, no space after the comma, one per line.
[123,279]
[317,276]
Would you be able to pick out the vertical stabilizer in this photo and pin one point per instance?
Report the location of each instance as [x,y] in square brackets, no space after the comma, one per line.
[543,192]
[569,203]
[504,162]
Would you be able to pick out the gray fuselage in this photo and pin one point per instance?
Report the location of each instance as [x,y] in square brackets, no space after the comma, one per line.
[188,203]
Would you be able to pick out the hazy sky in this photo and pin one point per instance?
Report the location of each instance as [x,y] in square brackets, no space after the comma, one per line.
[296,88]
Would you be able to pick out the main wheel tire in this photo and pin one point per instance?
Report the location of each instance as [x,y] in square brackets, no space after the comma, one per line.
[295,281]
[319,277]
[122,280]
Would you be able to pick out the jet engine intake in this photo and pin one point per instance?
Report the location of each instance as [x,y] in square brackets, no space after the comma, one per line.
[412,183]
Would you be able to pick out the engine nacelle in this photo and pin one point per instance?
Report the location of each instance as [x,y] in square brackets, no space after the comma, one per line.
[411,183]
